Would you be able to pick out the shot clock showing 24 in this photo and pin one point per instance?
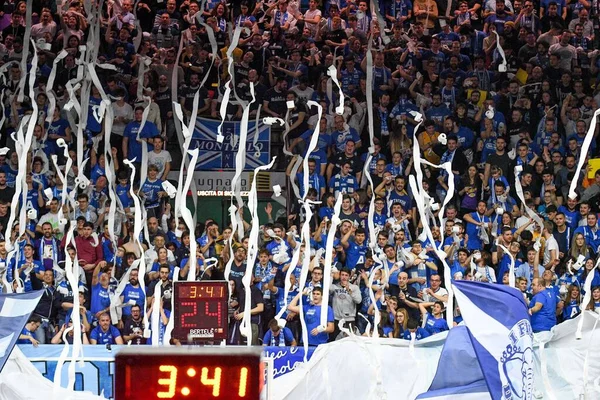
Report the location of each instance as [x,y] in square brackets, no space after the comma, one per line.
[225,373]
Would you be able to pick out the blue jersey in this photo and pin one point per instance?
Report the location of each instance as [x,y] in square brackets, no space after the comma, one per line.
[150,190]
[123,195]
[438,114]
[93,115]
[315,181]
[571,310]
[96,172]
[350,79]
[355,253]
[108,337]
[281,303]
[420,334]
[504,267]
[399,198]
[343,184]
[592,237]
[312,318]
[11,175]
[339,138]
[456,267]
[571,217]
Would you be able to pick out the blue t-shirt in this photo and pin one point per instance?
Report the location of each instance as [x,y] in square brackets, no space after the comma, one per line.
[325,139]
[134,148]
[100,298]
[545,318]
[25,332]
[474,242]
[312,317]
[435,325]
[133,293]
[107,337]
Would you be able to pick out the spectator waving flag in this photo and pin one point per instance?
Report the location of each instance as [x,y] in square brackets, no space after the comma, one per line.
[15,309]
[493,352]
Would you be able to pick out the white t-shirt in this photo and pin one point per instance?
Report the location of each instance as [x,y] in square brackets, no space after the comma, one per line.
[160,160]
[53,220]
[125,111]
[312,15]
[440,292]
[551,244]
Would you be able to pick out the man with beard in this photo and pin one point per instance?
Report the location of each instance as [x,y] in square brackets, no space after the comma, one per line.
[187,94]
[6,192]
[134,292]
[89,251]
[133,327]
[261,53]
[166,287]
[48,248]
[542,307]
[168,68]
[564,176]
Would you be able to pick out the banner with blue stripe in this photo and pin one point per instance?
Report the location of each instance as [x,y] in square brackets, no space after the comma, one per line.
[15,310]
[493,351]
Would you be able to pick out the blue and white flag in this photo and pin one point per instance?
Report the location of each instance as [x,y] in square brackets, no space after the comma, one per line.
[220,156]
[491,357]
[15,310]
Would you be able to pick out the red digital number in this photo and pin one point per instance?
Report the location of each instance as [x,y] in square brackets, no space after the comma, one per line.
[188,314]
[213,314]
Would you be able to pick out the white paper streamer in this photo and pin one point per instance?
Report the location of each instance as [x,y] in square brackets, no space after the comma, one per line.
[252,253]
[419,192]
[585,148]
[511,274]
[332,72]
[335,221]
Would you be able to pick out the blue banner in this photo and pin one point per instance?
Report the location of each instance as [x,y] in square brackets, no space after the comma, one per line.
[286,359]
[97,374]
[219,156]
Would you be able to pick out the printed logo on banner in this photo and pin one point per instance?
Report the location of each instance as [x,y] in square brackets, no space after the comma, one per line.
[517,360]
[215,155]
[96,377]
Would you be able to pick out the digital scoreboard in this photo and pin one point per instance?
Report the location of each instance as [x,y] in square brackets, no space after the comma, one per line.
[227,373]
[200,311]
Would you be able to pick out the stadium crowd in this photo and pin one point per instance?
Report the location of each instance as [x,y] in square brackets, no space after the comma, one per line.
[438,58]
